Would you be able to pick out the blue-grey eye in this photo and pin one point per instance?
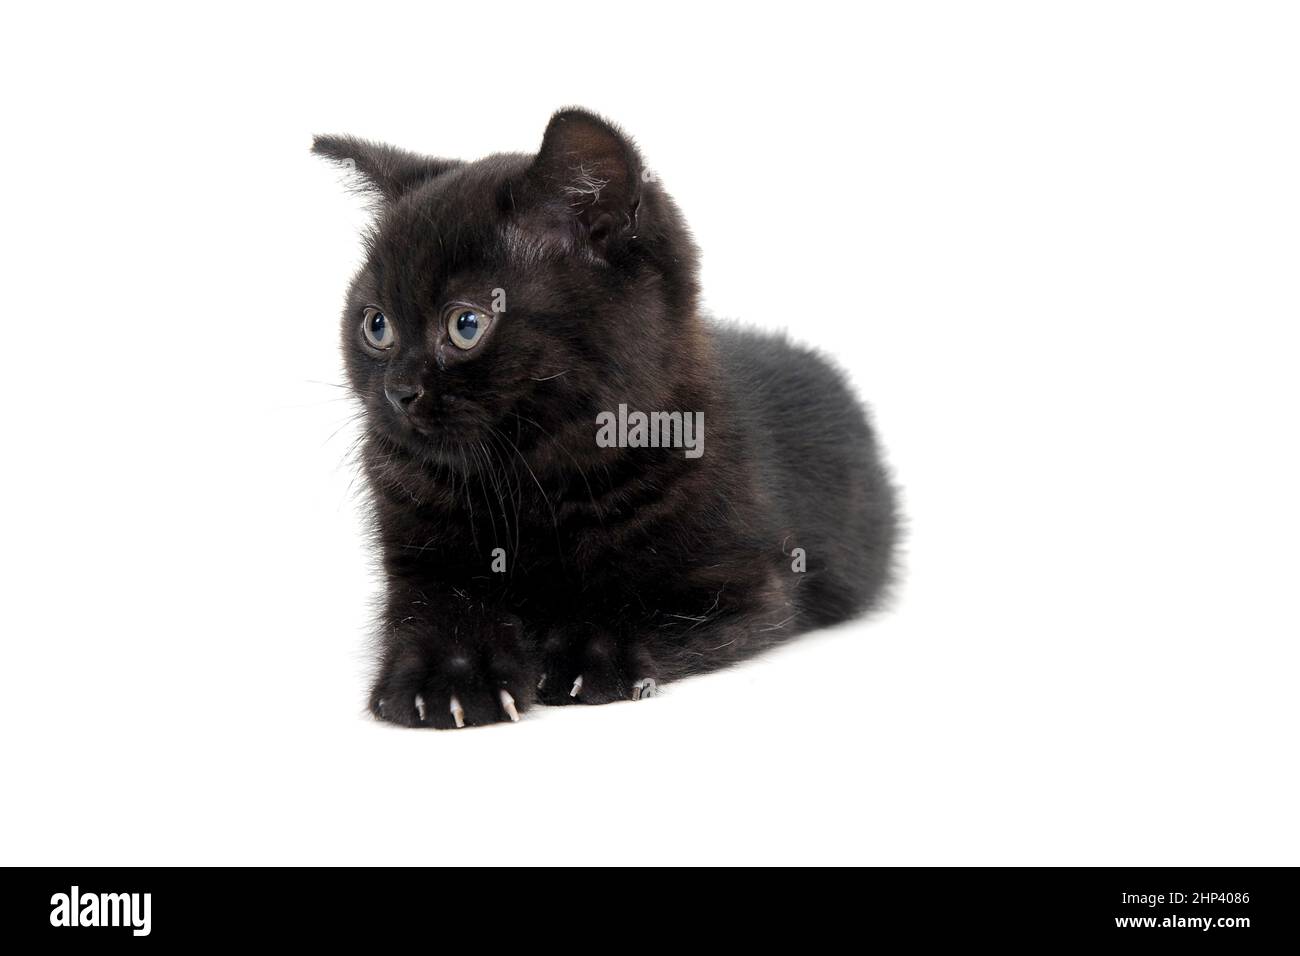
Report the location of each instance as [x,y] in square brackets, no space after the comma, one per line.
[465,326]
[377,329]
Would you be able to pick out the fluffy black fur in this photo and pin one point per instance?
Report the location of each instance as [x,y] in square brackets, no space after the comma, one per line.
[621,564]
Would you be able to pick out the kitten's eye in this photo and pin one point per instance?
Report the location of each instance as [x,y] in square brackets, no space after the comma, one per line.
[377,329]
[465,326]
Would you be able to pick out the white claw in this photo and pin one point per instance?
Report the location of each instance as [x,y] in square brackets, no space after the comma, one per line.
[419,706]
[645,687]
[541,683]
[457,711]
[508,705]
[577,687]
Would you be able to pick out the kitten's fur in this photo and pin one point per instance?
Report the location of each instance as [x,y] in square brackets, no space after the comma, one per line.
[623,565]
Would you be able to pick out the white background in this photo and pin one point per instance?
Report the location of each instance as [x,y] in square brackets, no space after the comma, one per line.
[1055,244]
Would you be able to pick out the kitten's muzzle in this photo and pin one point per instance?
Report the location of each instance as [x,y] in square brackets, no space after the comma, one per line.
[401,396]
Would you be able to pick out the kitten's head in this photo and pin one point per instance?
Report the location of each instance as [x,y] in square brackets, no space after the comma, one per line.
[542,288]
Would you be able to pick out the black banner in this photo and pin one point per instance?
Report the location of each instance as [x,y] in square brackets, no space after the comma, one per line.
[138,907]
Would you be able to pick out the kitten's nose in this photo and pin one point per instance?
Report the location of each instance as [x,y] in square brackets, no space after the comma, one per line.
[401,396]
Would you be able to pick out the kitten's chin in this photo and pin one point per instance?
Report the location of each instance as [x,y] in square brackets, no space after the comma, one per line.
[439,446]
[444,443]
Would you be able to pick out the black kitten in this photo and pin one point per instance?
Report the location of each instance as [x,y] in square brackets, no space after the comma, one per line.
[581,488]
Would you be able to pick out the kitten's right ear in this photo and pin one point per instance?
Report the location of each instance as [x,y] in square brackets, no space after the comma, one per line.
[384,169]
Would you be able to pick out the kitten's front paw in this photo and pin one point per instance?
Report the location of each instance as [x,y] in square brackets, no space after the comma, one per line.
[585,667]
[477,676]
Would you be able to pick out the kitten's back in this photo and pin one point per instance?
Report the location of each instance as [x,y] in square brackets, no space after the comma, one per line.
[818,464]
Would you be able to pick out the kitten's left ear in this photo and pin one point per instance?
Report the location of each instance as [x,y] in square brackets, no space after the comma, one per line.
[588,173]
[384,169]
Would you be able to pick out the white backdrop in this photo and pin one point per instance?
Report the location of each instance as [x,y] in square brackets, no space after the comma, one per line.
[1064,243]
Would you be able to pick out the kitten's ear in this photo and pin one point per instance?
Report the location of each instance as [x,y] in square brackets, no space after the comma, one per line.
[588,173]
[384,169]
